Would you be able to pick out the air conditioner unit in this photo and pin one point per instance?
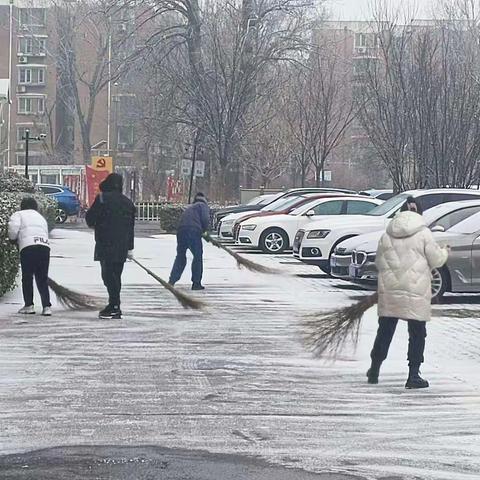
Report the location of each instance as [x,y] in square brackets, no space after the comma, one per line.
[21,88]
[361,50]
[23,60]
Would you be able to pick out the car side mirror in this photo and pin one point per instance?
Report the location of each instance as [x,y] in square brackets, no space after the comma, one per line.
[310,213]
[438,228]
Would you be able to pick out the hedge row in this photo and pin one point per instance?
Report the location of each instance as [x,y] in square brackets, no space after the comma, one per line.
[167,213]
[12,189]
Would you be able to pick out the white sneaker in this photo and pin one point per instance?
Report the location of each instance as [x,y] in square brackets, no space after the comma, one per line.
[47,312]
[30,310]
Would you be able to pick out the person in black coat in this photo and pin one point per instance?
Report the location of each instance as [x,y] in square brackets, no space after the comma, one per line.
[194,222]
[112,215]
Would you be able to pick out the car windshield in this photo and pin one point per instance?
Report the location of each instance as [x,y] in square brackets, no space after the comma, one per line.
[393,203]
[468,226]
[281,204]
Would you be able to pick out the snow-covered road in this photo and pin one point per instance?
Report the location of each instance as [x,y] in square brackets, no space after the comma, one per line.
[235,378]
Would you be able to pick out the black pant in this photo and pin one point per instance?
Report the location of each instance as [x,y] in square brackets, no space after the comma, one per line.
[417,332]
[35,261]
[188,239]
[112,279]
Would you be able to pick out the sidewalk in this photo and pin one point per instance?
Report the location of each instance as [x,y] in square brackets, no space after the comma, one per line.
[234,379]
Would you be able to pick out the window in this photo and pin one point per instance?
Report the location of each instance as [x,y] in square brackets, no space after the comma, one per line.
[32,16]
[125,136]
[429,201]
[355,207]
[32,46]
[360,40]
[49,190]
[31,105]
[468,226]
[457,197]
[31,75]
[35,130]
[329,208]
[452,218]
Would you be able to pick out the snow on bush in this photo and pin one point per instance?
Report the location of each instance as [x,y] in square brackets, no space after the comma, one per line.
[12,182]
[12,189]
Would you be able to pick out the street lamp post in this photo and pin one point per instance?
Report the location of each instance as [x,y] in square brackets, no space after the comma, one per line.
[27,139]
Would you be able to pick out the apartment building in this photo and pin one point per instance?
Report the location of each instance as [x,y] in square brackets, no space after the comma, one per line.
[30,56]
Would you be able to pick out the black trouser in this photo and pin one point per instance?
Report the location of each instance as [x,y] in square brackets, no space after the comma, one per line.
[35,261]
[112,279]
[417,333]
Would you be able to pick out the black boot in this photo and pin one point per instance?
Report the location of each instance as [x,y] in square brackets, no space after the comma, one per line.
[198,286]
[111,312]
[414,379]
[373,372]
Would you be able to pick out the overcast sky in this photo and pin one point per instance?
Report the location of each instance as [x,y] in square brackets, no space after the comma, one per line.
[360,9]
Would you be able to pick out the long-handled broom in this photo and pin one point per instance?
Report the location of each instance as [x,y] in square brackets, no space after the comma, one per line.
[241,261]
[330,331]
[185,300]
[74,300]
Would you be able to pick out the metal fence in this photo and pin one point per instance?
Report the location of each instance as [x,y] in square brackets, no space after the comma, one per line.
[148,211]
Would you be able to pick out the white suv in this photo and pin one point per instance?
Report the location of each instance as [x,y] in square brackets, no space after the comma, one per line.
[316,244]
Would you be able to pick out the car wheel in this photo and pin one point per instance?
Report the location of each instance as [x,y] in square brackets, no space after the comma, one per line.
[274,241]
[439,283]
[60,215]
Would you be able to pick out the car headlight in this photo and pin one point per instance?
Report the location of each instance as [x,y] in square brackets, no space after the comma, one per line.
[318,233]
[249,227]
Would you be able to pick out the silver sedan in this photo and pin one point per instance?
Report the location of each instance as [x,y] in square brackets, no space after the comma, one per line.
[459,228]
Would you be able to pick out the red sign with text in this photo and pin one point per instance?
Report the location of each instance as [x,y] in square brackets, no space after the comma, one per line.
[94,179]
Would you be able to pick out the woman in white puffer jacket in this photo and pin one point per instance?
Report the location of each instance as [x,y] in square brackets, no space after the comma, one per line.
[29,230]
[406,255]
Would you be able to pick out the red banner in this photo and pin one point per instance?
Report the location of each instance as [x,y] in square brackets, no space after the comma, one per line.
[94,178]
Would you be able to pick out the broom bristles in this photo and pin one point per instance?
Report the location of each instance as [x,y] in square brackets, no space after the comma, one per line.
[74,300]
[241,261]
[185,300]
[329,332]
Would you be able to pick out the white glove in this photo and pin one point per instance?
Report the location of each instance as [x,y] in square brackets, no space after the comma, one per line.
[130,255]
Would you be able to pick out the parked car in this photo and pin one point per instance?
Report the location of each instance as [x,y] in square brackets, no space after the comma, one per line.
[68,203]
[285,209]
[283,204]
[315,244]
[223,212]
[380,194]
[354,259]
[275,233]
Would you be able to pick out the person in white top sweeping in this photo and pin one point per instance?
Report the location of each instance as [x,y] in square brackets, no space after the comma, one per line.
[29,230]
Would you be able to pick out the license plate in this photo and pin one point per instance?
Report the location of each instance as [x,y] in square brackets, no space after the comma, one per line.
[353,271]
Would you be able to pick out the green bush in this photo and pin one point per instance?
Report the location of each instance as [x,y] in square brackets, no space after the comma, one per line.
[9,203]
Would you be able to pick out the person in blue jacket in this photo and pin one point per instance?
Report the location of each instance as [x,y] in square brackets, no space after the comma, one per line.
[194,222]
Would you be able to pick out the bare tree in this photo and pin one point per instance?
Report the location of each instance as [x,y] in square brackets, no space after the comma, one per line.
[320,108]
[421,102]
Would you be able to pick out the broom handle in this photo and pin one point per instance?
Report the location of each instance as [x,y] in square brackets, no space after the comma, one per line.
[156,277]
